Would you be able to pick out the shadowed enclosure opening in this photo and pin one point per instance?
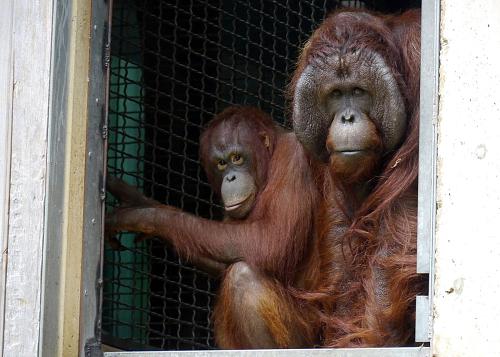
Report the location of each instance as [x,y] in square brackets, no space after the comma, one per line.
[174,65]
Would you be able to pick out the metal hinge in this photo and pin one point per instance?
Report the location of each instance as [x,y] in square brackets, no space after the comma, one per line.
[102,188]
[93,348]
[104,132]
[106,57]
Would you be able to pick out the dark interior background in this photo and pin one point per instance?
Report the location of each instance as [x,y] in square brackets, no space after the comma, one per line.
[174,65]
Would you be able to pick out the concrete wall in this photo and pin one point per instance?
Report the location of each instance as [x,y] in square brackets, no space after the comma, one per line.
[467,260]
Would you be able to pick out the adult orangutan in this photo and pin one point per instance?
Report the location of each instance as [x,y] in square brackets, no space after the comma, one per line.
[268,192]
[355,107]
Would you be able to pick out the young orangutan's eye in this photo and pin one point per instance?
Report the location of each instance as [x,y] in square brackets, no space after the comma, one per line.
[221,165]
[237,159]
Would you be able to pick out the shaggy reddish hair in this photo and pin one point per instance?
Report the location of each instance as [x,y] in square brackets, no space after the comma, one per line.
[367,279]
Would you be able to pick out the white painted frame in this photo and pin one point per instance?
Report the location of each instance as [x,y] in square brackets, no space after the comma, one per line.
[34,171]
[25,62]
[429,98]
[5,142]
[319,352]
[44,63]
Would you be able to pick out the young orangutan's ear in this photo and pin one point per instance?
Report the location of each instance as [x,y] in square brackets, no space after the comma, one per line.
[266,140]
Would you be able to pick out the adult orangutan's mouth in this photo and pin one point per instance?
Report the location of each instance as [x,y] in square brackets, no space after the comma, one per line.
[349,152]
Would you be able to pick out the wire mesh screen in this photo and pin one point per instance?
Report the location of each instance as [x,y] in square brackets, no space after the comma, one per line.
[174,65]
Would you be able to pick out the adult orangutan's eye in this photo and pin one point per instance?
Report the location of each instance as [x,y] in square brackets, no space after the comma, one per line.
[358,91]
[336,93]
